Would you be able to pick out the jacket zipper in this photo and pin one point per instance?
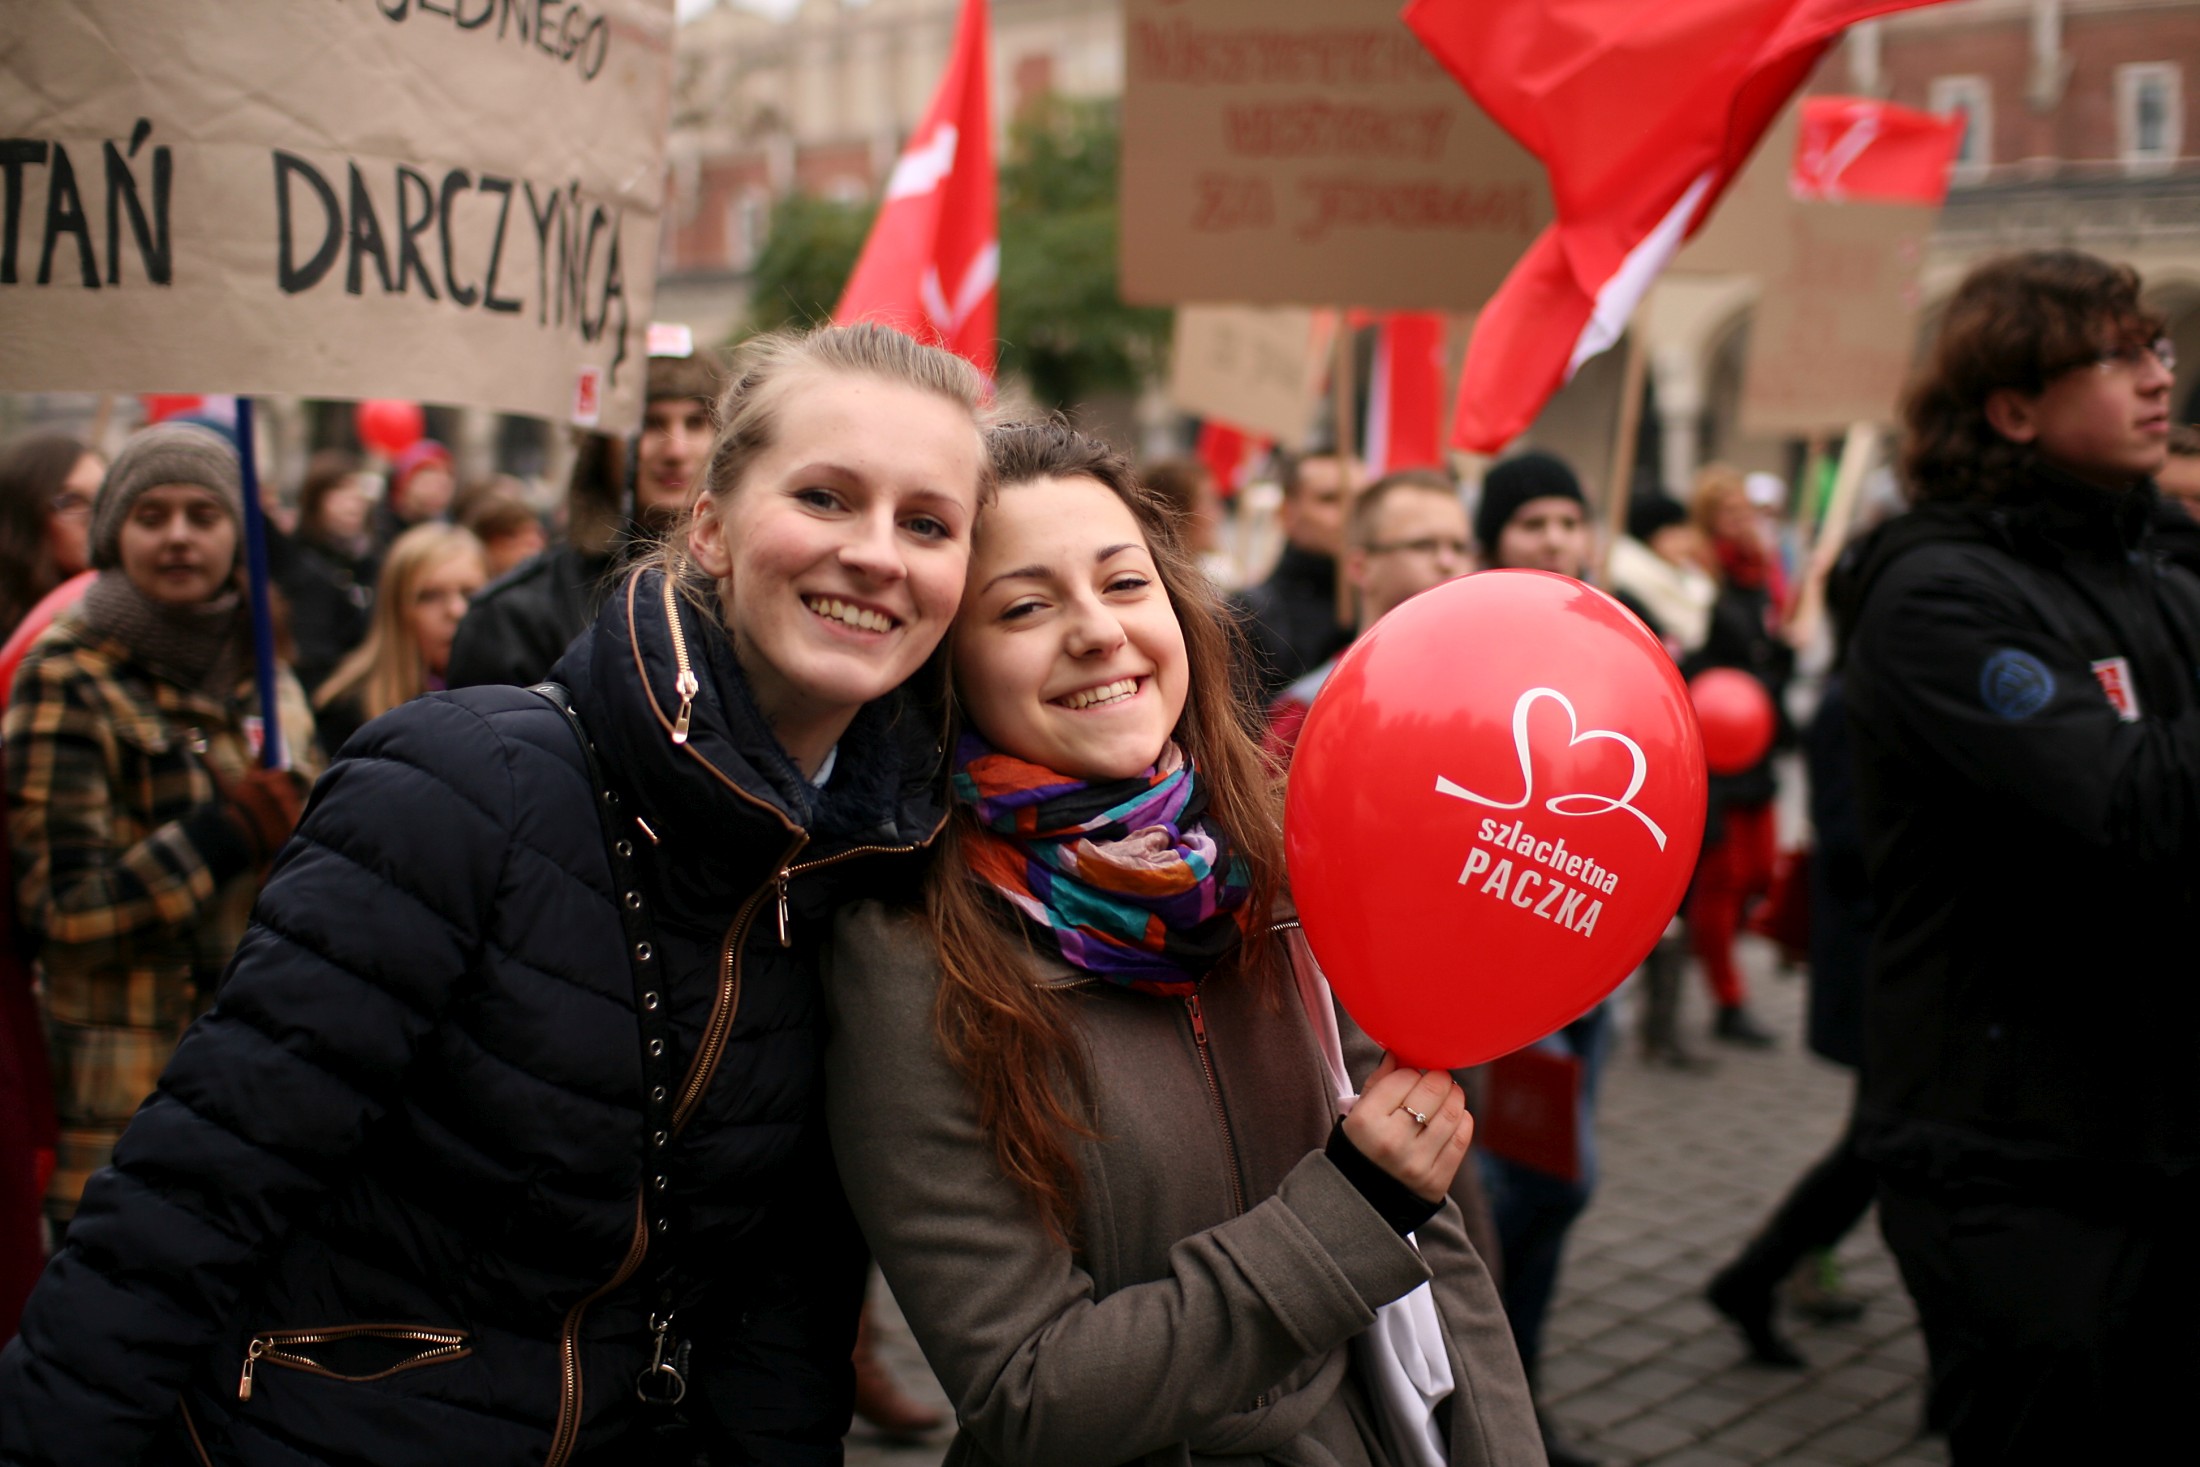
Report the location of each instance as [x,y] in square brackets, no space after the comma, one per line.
[1222,1118]
[568,1427]
[1214,1093]
[686,684]
[720,1027]
[278,1347]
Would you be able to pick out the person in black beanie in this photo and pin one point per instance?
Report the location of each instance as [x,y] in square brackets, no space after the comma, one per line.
[1532,515]
[139,814]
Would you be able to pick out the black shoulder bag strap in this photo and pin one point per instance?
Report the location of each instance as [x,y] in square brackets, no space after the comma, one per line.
[664,1381]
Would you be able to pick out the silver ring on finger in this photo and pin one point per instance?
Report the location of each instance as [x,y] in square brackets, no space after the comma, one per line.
[1420,1118]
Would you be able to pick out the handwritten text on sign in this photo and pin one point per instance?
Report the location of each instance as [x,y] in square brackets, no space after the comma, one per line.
[289,215]
[1310,152]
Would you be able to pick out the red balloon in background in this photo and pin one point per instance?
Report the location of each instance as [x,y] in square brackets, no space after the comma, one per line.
[1735,713]
[1494,811]
[389,426]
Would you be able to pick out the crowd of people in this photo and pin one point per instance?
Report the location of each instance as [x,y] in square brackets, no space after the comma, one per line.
[857,835]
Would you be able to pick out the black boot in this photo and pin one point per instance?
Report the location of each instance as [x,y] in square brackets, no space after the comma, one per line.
[1735,1025]
[1746,1300]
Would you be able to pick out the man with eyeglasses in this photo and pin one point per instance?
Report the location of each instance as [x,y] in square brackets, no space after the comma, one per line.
[1407,532]
[2023,681]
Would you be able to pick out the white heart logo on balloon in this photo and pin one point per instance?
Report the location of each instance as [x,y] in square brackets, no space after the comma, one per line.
[1562,804]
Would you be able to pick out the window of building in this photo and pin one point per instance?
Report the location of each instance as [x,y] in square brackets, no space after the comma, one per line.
[2150,116]
[748,221]
[1969,97]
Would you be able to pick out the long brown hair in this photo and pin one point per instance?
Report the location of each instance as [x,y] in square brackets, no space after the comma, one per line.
[32,471]
[2016,322]
[1012,1040]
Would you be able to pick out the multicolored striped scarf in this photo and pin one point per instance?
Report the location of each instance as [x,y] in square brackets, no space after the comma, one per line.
[1125,876]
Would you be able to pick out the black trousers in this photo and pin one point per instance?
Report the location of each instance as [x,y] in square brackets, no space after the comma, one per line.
[2059,1331]
[1817,1213]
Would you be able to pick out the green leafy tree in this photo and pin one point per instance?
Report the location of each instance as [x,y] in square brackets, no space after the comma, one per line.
[806,259]
[1063,326]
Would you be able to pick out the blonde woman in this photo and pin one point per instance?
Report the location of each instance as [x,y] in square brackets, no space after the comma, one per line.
[505,1143]
[428,578]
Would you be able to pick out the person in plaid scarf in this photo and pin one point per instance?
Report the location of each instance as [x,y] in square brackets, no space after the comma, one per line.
[139,816]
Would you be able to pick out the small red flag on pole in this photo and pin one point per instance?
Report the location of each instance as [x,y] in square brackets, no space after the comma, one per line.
[1856,148]
[932,265]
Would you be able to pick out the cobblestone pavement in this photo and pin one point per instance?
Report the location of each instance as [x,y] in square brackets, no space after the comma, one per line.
[1638,1369]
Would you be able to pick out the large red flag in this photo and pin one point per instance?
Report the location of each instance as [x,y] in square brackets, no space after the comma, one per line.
[1405,394]
[1642,111]
[1858,148]
[933,261]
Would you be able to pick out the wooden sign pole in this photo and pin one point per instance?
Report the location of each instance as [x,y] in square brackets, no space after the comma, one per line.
[1342,390]
[1629,432]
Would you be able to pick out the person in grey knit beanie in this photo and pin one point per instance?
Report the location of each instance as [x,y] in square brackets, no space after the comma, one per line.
[166,453]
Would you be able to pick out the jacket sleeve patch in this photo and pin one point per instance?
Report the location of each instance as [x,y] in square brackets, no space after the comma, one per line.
[2015,685]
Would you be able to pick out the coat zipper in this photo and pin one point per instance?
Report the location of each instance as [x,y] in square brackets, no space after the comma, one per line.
[277,1347]
[1222,1117]
[1214,1093]
[567,1430]
[686,684]
[728,1002]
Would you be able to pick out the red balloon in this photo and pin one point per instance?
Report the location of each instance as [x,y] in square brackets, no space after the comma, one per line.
[389,426]
[1493,813]
[1735,713]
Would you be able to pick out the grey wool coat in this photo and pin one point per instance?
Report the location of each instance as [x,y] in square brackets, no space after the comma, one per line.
[1221,1267]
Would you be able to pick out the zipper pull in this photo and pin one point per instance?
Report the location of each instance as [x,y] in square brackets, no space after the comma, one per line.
[1199,1021]
[786,939]
[687,687]
[252,1355]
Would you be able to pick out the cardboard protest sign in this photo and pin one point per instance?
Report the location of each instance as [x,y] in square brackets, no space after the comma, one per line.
[1253,368]
[1836,323]
[1310,152]
[452,200]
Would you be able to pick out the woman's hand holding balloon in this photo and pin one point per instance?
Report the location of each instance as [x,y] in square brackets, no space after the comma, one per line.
[1384,1125]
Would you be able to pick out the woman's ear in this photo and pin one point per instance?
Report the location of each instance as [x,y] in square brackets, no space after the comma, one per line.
[707,539]
[2009,413]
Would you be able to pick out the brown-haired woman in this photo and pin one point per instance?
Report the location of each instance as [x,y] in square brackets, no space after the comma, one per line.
[47,484]
[326,566]
[1077,1103]
[504,1143]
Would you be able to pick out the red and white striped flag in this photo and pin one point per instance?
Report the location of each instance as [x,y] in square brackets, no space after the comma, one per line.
[1856,148]
[1229,454]
[933,262]
[1642,111]
[1405,394]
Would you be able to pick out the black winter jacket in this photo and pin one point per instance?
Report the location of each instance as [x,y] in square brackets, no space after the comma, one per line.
[1291,622]
[2021,690]
[520,623]
[416,1118]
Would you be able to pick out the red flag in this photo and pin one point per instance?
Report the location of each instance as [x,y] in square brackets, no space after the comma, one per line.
[1228,453]
[1643,114]
[933,261]
[1405,394]
[1857,148]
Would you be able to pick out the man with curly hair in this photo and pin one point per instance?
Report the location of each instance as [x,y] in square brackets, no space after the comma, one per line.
[2023,680]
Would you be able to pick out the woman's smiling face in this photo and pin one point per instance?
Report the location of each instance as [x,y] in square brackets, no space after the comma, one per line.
[841,553]
[1068,653]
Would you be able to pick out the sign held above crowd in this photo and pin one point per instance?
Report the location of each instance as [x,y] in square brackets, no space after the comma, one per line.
[373,198]
[1310,152]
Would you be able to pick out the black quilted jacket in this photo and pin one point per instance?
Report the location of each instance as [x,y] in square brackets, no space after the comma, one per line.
[397,1178]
